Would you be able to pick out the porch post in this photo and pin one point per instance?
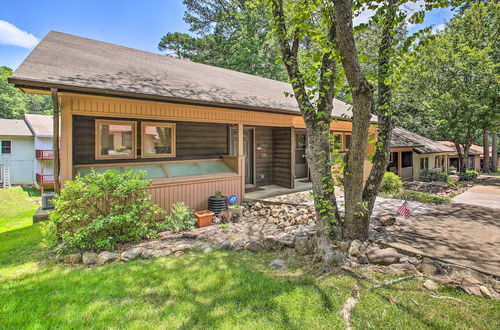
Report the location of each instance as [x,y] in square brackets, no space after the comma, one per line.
[241,159]
[400,164]
[55,138]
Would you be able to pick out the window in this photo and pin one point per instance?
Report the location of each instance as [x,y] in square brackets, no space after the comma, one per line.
[158,140]
[407,159]
[424,163]
[115,139]
[347,141]
[6,147]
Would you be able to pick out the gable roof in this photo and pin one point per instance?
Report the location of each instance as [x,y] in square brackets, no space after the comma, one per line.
[14,127]
[472,151]
[74,63]
[404,138]
[40,125]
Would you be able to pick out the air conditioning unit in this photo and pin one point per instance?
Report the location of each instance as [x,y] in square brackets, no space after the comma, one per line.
[46,198]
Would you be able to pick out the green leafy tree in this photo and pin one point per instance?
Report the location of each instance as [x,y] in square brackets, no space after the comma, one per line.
[228,35]
[451,81]
[14,103]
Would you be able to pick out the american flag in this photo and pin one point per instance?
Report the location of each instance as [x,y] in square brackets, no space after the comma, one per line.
[404,210]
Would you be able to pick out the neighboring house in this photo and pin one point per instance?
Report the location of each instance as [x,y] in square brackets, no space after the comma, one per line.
[42,128]
[473,162]
[410,153]
[17,161]
[194,128]
[480,149]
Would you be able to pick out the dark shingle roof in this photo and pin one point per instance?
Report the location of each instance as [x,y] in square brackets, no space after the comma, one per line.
[64,60]
[405,138]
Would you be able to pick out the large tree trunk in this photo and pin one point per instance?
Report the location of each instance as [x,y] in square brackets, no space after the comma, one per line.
[494,152]
[486,152]
[355,223]
[462,160]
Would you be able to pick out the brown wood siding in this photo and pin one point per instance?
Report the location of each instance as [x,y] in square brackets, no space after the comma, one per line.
[264,157]
[282,157]
[193,141]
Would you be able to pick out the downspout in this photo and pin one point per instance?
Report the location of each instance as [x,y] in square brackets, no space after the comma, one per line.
[55,138]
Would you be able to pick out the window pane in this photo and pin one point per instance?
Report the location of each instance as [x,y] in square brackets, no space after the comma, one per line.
[157,140]
[347,141]
[407,159]
[116,139]
[6,147]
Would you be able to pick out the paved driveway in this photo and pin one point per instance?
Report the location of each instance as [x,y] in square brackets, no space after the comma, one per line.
[486,193]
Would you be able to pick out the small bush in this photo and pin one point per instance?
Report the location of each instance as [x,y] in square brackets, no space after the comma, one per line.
[391,183]
[99,210]
[433,175]
[468,175]
[181,218]
[422,197]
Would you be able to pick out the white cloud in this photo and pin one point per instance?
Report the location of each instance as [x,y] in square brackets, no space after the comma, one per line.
[363,17]
[438,28]
[11,35]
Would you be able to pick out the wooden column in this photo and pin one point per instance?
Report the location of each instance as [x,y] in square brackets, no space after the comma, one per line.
[400,164]
[55,138]
[241,158]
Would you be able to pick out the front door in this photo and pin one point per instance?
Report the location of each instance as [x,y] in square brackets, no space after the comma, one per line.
[248,148]
[301,169]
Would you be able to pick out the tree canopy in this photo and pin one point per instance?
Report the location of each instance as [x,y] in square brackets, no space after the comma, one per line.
[14,103]
[228,34]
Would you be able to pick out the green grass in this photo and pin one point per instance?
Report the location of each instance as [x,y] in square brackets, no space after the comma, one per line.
[17,207]
[418,196]
[220,289]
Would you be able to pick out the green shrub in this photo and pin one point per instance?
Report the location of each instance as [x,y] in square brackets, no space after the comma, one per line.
[181,218]
[431,175]
[422,197]
[468,175]
[99,210]
[390,183]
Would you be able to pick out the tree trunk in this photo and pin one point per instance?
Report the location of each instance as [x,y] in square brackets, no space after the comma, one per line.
[494,152]
[355,224]
[486,153]
[462,161]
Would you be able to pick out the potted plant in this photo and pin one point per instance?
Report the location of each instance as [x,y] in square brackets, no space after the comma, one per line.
[236,211]
[217,203]
[203,218]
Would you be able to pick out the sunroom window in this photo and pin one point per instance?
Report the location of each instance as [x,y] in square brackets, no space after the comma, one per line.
[115,139]
[158,140]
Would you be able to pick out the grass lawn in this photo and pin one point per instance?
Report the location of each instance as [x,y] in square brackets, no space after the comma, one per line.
[209,290]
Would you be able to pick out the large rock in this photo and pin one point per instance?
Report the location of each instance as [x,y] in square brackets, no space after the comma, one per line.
[272,243]
[287,240]
[238,245]
[253,246]
[74,258]
[430,268]
[89,258]
[155,253]
[277,264]
[458,273]
[387,220]
[384,256]
[430,285]
[356,249]
[106,257]
[132,253]
[304,246]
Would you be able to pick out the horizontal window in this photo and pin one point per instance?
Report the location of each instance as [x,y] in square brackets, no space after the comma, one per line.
[115,139]
[158,140]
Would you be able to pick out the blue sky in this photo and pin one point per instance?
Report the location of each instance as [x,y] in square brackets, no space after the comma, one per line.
[136,24]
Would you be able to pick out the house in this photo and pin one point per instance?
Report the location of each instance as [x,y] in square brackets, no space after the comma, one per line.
[27,150]
[480,149]
[42,128]
[193,128]
[17,162]
[473,162]
[411,153]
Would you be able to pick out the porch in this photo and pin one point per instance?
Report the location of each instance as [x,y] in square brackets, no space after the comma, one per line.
[401,163]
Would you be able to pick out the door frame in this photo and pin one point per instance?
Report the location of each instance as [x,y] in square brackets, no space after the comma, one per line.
[295,142]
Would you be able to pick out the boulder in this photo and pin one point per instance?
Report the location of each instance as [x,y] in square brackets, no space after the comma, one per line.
[178,253]
[485,291]
[253,246]
[287,240]
[458,273]
[384,256]
[356,249]
[430,268]
[304,246]
[132,253]
[89,258]
[472,289]
[74,258]
[277,264]
[387,220]
[238,245]
[224,245]
[402,268]
[272,243]
[106,257]
[430,285]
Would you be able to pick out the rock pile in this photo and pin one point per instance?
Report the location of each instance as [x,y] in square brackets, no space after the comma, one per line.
[282,215]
